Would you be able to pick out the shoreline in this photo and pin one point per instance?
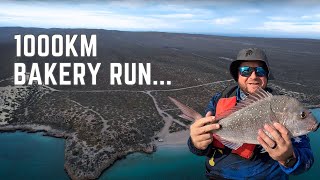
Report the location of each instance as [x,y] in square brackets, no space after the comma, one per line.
[45,130]
[172,140]
[175,139]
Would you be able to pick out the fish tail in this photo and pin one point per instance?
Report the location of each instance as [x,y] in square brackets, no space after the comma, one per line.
[188,113]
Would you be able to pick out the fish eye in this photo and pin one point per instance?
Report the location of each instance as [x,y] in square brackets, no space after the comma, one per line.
[303,115]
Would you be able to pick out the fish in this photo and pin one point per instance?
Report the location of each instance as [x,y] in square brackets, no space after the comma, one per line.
[241,123]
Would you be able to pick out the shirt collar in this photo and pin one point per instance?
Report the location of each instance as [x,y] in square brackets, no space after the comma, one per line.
[240,94]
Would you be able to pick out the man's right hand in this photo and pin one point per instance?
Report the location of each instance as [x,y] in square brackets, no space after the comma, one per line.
[201,131]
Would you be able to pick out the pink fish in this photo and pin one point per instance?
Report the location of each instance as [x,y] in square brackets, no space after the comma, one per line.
[241,124]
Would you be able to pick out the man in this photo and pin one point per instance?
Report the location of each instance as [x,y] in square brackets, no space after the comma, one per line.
[273,159]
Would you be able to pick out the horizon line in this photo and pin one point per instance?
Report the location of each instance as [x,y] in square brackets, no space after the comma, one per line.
[178,32]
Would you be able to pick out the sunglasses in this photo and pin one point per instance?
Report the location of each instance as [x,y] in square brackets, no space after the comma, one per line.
[246,71]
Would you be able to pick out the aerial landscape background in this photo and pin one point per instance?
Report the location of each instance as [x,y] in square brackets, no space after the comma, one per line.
[101,124]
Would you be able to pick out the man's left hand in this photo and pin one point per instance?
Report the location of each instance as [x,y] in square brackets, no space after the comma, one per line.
[280,147]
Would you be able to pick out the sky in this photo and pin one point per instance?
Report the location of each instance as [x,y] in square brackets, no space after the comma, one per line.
[288,18]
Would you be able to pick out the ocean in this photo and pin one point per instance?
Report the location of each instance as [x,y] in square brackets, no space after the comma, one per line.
[33,156]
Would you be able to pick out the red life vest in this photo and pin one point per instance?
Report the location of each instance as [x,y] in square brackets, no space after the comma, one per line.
[246,150]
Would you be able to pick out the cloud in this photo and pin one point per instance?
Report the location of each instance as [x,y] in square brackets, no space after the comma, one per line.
[71,17]
[225,21]
[314,16]
[295,18]
[282,18]
[174,16]
[290,27]
[250,11]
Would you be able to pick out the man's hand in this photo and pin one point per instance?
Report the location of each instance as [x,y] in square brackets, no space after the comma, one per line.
[201,131]
[279,149]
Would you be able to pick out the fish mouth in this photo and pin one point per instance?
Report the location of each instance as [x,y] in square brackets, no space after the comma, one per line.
[315,127]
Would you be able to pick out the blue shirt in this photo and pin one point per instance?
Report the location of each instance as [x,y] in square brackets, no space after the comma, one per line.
[224,164]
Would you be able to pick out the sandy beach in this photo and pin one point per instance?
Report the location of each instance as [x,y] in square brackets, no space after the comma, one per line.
[174,139]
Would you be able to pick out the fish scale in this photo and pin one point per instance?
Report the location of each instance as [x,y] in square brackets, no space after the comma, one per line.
[240,123]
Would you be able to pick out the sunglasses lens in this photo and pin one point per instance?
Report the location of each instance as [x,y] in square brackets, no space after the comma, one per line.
[245,71]
[260,72]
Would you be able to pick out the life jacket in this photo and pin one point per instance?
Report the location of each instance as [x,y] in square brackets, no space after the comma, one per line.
[246,150]
[227,101]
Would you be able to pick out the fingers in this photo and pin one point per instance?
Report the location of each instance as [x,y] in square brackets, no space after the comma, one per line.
[203,121]
[209,113]
[266,139]
[275,134]
[203,137]
[282,143]
[201,131]
[283,131]
[202,141]
[263,144]
[207,128]
[279,133]
[204,144]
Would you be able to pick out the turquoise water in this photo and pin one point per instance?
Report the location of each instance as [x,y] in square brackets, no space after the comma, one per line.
[167,162]
[33,156]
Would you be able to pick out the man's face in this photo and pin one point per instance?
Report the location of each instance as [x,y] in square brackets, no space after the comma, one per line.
[251,83]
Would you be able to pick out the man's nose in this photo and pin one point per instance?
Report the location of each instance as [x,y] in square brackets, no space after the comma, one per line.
[253,75]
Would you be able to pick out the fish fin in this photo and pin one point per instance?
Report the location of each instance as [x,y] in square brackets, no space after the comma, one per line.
[229,144]
[216,136]
[258,95]
[188,113]
[224,114]
[183,116]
